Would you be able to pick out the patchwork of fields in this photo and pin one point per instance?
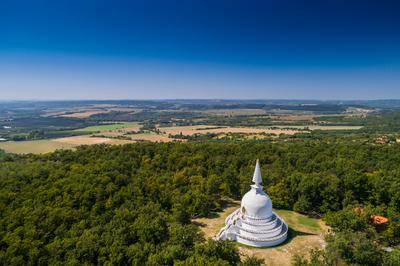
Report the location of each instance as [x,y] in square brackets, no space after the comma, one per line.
[129,132]
[68,125]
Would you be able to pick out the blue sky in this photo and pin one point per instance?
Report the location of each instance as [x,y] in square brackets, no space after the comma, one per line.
[199,49]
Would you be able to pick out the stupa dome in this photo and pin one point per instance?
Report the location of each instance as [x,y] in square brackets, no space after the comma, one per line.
[256,204]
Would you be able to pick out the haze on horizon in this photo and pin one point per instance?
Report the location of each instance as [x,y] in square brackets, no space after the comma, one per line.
[54,50]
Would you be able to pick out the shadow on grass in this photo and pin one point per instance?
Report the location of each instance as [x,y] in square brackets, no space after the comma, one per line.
[292,234]
[216,213]
[199,224]
[212,215]
[227,202]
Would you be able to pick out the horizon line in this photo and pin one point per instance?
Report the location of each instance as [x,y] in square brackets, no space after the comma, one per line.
[196,99]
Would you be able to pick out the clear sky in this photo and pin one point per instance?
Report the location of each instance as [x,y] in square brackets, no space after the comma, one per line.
[269,49]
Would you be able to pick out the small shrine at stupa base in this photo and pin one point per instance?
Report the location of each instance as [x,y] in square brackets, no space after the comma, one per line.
[254,223]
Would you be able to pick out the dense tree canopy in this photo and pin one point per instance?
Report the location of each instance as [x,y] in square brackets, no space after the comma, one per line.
[132,204]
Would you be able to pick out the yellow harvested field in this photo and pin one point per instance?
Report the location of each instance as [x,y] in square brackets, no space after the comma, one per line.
[103,105]
[34,146]
[150,137]
[317,127]
[126,109]
[88,140]
[50,145]
[357,110]
[305,234]
[334,127]
[85,114]
[234,112]
[302,117]
[119,141]
[82,140]
[55,112]
[204,129]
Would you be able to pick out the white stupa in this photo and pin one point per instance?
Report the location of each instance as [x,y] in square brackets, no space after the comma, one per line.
[254,223]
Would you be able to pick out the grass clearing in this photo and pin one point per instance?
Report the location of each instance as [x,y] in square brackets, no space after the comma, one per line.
[305,233]
[298,221]
[308,222]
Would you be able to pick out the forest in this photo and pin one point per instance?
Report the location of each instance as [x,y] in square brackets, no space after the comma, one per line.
[133,204]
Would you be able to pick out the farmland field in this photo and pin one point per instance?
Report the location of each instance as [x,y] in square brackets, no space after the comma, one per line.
[70,124]
[89,112]
[82,140]
[50,145]
[150,136]
[322,127]
[84,114]
[234,112]
[292,118]
[108,127]
[34,146]
[204,129]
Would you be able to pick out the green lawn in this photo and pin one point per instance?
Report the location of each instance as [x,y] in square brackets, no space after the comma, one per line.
[306,221]
[107,127]
[299,221]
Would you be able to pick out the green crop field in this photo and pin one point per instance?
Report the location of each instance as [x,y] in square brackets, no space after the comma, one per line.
[107,127]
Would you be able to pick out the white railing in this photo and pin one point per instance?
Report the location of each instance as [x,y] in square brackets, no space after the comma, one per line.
[229,221]
[280,236]
[278,226]
[230,216]
[270,221]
